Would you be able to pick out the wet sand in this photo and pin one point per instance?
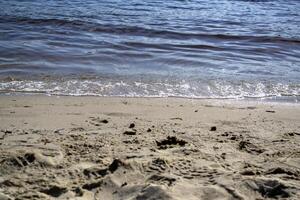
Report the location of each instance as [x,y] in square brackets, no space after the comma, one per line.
[140,148]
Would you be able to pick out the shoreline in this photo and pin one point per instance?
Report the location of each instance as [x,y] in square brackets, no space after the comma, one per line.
[60,147]
[292,100]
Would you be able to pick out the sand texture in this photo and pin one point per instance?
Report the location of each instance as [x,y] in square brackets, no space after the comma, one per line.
[127,148]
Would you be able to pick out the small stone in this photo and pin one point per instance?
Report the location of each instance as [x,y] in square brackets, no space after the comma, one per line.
[149,130]
[124,184]
[223,155]
[225,134]
[58,130]
[54,191]
[233,138]
[213,128]
[248,173]
[104,121]
[132,125]
[270,111]
[130,132]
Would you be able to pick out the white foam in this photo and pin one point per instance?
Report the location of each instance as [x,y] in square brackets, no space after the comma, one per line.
[193,89]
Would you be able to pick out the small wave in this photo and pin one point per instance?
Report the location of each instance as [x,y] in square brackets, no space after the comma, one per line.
[213,89]
[141,31]
[41,21]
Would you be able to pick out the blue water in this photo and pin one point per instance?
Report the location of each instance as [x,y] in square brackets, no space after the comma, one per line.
[187,48]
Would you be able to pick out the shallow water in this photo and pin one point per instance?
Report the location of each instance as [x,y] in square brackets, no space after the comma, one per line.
[188,48]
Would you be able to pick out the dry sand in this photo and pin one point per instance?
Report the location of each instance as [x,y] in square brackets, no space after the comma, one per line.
[129,148]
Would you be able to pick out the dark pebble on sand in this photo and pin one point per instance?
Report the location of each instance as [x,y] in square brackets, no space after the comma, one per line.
[8,132]
[270,111]
[149,130]
[233,138]
[223,155]
[54,191]
[225,134]
[129,132]
[213,128]
[58,130]
[171,140]
[104,121]
[248,173]
[132,125]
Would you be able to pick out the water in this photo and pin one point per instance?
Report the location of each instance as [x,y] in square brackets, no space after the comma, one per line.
[186,48]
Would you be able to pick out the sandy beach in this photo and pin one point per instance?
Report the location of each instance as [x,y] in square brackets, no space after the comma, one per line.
[148,148]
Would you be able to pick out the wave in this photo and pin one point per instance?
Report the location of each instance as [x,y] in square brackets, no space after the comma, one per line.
[213,89]
[141,31]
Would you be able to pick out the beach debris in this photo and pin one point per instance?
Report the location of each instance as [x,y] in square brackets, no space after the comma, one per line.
[78,191]
[54,191]
[7,132]
[249,147]
[9,183]
[130,132]
[132,125]
[176,118]
[233,137]
[213,128]
[162,179]
[77,129]
[268,188]
[134,141]
[292,134]
[280,170]
[225,134]
[170,142]
[158,164]
[96,172]
[124,184]
[92,185]
[22,160]
[248,173]
[104,121]
[270,111]
[223,156]
[115,165]
[96,121]
[149,130]
[59,130]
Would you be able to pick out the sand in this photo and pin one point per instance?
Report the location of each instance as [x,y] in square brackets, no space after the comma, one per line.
[147,148]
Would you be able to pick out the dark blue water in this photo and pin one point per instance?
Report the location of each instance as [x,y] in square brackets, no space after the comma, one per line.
[188,48]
